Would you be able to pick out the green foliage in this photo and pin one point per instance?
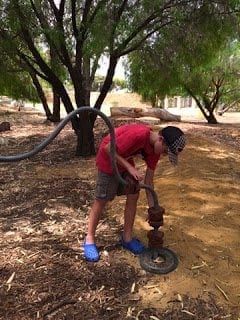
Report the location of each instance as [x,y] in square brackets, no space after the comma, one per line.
[178,59]
[63,41]
[18,86]
[120,83]
[15,82]
[229,67]
[117,83]
[97,83]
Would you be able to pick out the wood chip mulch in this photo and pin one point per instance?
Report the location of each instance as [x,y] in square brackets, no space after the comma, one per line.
[43,274]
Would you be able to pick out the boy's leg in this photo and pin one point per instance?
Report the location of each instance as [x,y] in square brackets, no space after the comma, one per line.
[94,217]
[90,250]
[128,242]
[106,187]
[129,216]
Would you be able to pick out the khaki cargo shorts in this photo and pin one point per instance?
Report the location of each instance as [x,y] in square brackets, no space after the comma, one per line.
[108,187]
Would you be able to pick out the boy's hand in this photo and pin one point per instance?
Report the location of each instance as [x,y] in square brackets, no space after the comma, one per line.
[135,174]
[132,186]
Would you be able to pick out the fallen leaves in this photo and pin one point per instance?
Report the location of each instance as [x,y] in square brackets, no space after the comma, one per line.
[44,203]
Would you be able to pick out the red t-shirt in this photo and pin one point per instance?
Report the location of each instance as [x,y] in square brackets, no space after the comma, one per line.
[131,140]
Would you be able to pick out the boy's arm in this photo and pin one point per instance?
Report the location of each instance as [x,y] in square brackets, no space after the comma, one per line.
[149,181]
[124,163]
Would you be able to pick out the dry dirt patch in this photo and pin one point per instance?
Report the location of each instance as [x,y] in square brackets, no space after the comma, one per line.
[44,206]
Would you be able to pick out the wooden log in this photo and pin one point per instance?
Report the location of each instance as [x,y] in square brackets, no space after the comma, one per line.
[143,112]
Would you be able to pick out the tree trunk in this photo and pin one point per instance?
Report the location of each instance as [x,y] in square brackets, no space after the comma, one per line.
[210,107]
[83,126]
[106,86]
[56,107]
[41,94]
[83,123]
[85,136]
[87,81]
[56,97]
[211,118]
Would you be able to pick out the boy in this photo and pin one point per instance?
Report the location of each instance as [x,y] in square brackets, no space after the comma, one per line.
[131,140]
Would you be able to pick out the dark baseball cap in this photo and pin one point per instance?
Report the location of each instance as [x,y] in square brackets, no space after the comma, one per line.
[175,141]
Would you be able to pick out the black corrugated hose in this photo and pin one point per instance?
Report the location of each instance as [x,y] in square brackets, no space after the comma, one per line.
[58,129]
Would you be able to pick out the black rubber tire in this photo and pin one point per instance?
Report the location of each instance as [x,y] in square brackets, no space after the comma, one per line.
[148,263]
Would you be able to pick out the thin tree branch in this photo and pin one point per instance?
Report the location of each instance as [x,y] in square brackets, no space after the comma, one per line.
[63,55]
[150,19]
[74,22]
[116,20]
[138,44]
[197,100]
[96,10]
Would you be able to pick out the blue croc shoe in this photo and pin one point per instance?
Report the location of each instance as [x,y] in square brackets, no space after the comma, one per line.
[91,252]
[134,246]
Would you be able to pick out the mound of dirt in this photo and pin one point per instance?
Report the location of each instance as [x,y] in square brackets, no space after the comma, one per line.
[43,212]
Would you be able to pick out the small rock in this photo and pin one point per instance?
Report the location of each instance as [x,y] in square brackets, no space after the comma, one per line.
[4,126]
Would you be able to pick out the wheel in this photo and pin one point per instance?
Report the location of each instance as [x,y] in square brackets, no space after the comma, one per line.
[158,260]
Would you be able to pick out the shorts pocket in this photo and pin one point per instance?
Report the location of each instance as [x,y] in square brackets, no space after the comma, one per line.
[101,191]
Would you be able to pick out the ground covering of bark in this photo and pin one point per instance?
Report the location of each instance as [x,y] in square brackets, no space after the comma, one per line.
[44,203]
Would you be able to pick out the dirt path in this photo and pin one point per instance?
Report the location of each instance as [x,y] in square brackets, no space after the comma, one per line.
[43,211]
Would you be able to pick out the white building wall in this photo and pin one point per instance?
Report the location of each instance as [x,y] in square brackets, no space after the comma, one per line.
[181,105]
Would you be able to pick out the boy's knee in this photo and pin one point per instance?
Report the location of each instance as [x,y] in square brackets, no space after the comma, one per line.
[133,196]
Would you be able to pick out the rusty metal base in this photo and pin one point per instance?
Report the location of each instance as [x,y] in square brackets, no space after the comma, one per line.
[158,260]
